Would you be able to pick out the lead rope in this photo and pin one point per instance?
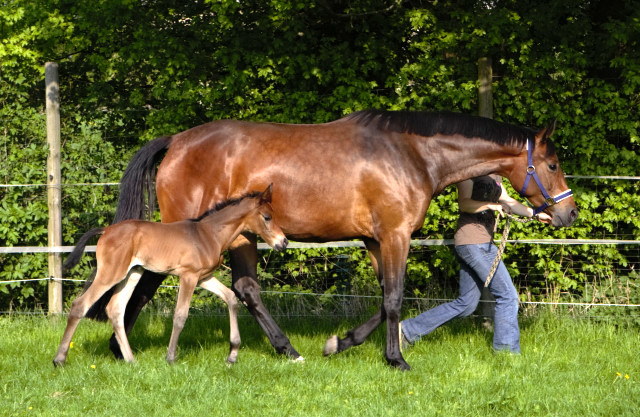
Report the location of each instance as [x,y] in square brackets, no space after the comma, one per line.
[503,243]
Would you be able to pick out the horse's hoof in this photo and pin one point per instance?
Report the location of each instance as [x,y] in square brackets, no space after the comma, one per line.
[298,359]
[400,364]
[331,347]
[58,363]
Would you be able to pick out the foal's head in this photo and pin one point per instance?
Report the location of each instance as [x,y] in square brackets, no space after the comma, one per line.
[260,221]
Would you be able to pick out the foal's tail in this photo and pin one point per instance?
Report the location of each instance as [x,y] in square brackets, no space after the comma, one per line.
[76,253]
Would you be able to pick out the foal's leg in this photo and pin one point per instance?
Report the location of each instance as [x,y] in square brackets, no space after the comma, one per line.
[219,289]
[79,307]
[142,294]
[116,308]
[185,292]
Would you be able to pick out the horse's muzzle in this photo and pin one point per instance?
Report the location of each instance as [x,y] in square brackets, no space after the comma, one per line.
[565,218]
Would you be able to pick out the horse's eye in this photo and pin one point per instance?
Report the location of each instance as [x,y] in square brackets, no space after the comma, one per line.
[553,167]
[266,217]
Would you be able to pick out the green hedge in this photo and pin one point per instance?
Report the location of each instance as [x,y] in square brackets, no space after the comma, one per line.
[131,71]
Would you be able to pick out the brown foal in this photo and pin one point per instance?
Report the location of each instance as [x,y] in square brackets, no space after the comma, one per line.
[191,249]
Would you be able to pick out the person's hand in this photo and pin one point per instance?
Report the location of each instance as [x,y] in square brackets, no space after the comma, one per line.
[497,207]
[544,217]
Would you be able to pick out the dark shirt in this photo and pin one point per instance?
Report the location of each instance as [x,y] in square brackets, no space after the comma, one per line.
[475,228]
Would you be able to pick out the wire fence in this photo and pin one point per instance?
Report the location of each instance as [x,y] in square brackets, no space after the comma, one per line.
[602,296]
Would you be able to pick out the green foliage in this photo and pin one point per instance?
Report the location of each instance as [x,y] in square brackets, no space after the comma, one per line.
[131,71]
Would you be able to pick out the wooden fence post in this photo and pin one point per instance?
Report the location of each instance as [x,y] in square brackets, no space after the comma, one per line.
[54,191]
[485,95]
[487,305]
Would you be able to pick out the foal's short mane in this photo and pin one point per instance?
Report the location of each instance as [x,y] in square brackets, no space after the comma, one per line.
[445,123]
[227,203]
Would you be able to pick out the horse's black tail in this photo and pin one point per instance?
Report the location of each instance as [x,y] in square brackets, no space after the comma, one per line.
[136,190]
[76,253]
[136,186]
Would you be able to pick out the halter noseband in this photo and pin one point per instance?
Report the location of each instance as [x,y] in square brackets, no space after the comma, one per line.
[531,172]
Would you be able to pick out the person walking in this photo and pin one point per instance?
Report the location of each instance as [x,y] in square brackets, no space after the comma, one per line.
[478,199]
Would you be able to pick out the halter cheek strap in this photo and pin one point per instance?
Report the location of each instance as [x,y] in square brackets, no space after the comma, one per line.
[531,172]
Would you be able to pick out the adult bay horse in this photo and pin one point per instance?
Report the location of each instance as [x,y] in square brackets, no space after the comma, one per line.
[191,249]
[370,175]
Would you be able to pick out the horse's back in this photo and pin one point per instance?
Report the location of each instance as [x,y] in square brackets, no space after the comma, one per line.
[327,177]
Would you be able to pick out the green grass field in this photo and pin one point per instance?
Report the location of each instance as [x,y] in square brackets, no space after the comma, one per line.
[569,367]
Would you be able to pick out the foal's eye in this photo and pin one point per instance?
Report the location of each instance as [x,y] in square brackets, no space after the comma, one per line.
[266,217]
[553,167]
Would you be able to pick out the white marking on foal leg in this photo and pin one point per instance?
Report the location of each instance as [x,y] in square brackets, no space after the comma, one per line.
[116,308]
[219,289]
[331,347]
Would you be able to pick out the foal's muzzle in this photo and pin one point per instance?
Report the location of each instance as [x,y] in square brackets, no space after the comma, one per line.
[282,245]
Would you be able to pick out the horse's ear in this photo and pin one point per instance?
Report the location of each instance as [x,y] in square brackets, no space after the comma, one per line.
[546,133]
[266,194]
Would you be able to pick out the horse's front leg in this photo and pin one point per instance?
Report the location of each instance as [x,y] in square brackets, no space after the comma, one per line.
[244,263]
[358,335]
[389,260]
[185,293]
[394,262]
[219,289]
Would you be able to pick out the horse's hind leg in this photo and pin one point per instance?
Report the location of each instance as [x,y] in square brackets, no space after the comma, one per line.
[79,308]
[185,292]
[244,261]
[219,289]
[116,308]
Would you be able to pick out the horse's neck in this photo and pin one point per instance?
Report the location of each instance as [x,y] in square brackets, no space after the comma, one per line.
[461,158]
[223,226]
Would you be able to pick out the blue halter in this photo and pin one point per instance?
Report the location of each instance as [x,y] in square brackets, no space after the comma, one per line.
[531,172]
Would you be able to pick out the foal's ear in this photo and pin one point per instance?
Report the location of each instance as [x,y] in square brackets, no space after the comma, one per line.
[546,133]
[266,194]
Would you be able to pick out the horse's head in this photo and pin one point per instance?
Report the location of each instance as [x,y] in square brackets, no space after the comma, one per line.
[540,179]
[261,222]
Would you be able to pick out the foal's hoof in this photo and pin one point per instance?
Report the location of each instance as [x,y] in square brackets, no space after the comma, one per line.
[299,359]
[57,363]
[331,347]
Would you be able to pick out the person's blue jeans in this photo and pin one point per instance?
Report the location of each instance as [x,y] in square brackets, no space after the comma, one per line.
[475,264]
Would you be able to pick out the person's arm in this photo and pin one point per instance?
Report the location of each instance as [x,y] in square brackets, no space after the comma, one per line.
[468,205]
[513,206]
[505,203]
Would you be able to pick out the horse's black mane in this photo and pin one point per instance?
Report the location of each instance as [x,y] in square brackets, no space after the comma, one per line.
[227,203]
[445,123]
